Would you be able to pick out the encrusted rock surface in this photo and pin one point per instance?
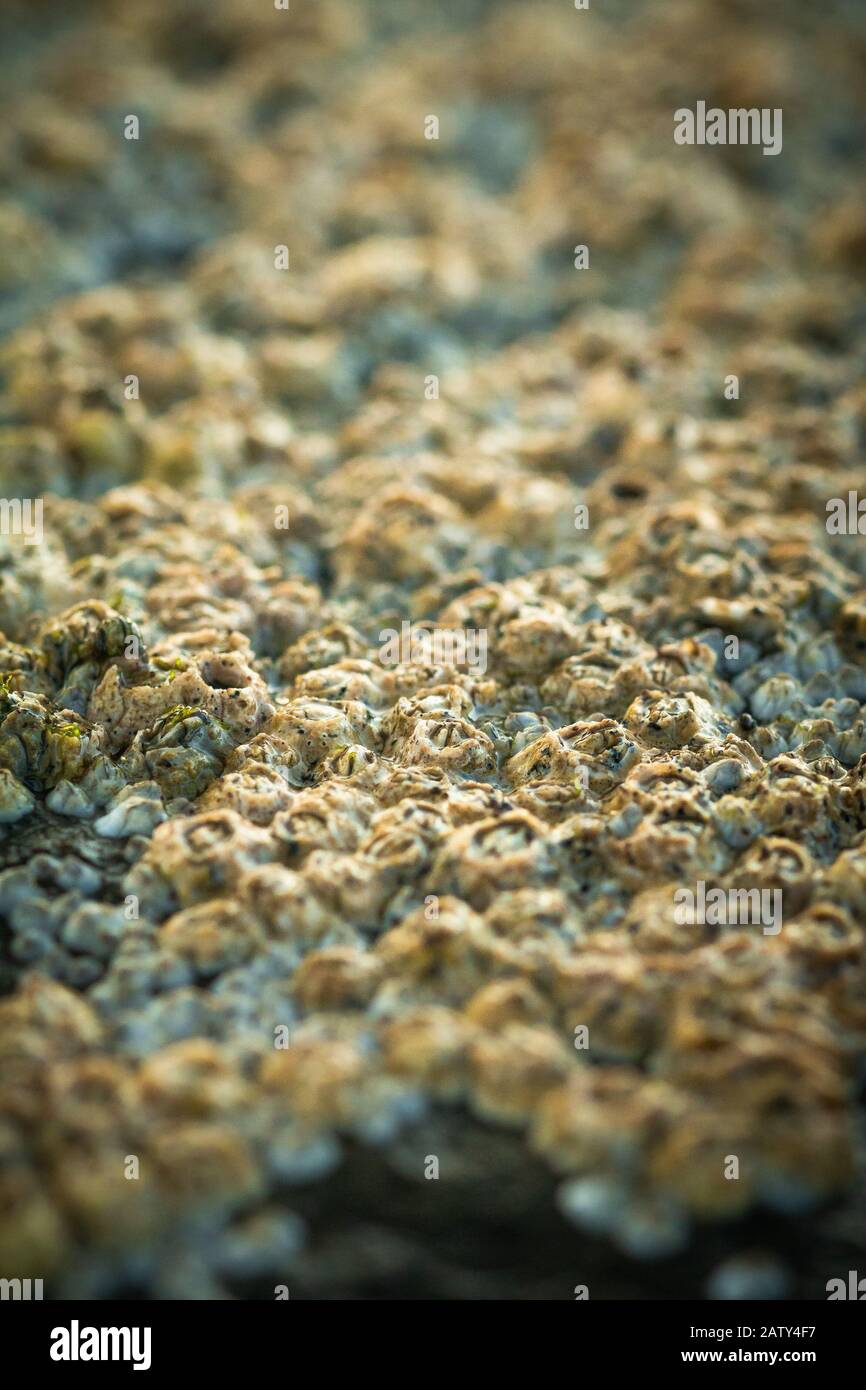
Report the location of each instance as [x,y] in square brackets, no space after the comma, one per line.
[284,921]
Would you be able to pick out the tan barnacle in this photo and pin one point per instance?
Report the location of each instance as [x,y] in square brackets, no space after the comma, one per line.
[191,1080]
[608,992]
[211,937]
[777,864]
[372,271]
[543,915]
[428,784]
[336,645]
[92,1193]
[339,977]
[198,1163]
[90,1097]
[91,1189]
[794,800]
[674,837]
[487,607]
[447,698]
[666,784]
[301,369]
[318,1079]
[429,1044]
[257,793]
[446,956]
[356,889]
[772,1074]
[417,736]
[482,859]
[355,761]
[534,641]
[124,709]
[541,506]
[713,1009]
[358,681]
[404,837]
[595,683]
[689,667]
[313,729]
[851,626]
[550,802]
[579,847]
[402,533]
[688,1161]
[87,635]
[600,1119]
[505,1002]
[47,1016]
[844,881]
[284,907]
[290,608]
[407,679]
[600,752]
[652,926]
[550,757]
[735,969]
[270,750]
[335,816]
[35,1235]
[202,855]
[756,619]
[512,1070]
[671,721]
[826,936]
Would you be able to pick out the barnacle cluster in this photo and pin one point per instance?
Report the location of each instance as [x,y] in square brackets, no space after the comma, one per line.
[269,899]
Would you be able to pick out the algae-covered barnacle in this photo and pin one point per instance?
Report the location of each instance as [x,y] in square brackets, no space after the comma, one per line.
[77,648]
[188,727]
[176,715]
[41,747]
[183,750]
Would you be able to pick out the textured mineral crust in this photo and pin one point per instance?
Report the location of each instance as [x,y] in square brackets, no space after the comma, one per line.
[355,974]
